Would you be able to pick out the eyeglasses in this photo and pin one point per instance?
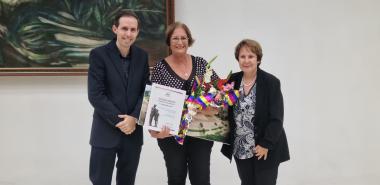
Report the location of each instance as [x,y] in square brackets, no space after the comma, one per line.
[177,39]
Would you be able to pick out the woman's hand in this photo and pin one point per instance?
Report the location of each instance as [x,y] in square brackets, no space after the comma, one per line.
[164,133]
[261,152]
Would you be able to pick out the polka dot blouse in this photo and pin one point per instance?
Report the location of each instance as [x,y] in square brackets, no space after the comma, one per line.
[163,74]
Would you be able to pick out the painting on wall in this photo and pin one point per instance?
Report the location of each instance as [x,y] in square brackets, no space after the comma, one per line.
[54,37]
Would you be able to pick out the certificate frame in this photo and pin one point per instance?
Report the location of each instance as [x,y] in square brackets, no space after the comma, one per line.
[162,107]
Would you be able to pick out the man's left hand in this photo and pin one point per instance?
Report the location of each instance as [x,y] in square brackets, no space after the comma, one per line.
[129,125]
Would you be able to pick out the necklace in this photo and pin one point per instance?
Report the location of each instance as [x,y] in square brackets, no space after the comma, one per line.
[249,83]
[180,66]
[184,68]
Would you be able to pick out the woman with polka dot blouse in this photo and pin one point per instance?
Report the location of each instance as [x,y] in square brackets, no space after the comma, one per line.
[179,70]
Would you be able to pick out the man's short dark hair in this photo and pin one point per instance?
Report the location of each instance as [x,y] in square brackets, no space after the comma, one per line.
[125,13]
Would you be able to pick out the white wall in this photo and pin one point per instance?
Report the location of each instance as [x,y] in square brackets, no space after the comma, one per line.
[324,51]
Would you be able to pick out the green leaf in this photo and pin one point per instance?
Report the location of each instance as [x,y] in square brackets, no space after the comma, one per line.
[211,61]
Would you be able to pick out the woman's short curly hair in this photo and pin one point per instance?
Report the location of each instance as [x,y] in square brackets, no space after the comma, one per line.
[252,45]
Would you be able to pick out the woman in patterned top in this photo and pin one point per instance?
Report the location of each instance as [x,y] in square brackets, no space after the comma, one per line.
[179,70]
[257,138]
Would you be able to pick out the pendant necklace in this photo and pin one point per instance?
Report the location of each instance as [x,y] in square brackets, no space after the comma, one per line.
[248,84]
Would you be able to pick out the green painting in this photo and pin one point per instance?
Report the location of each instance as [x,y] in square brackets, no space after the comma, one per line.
[56,36]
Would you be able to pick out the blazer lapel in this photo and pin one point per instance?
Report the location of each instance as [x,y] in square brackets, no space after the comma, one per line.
[260,94]
[114,55]
[237,79]
[132,66]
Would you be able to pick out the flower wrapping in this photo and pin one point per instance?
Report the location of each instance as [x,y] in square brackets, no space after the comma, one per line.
[206,93]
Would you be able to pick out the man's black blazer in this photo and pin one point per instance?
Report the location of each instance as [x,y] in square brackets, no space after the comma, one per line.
[111,94]
[269,113]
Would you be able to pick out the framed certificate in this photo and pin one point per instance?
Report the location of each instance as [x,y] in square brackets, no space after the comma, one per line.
[162,106]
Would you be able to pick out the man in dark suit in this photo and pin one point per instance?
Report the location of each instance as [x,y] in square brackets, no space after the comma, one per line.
[117,77]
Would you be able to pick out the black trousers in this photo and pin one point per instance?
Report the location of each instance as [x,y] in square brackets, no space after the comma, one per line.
[251,175]
[193,157]
[102,162]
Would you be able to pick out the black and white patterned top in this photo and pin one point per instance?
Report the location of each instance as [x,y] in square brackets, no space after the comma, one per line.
[244,112]
[163,74]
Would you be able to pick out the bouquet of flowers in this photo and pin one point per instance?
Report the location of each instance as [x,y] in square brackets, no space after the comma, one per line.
[206,94]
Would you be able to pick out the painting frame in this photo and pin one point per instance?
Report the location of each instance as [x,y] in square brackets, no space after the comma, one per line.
[72,71]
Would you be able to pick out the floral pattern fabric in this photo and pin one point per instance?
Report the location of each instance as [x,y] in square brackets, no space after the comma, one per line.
[244,112]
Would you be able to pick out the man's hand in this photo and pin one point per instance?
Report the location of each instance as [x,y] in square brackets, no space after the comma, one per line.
[128,125]
[165,132]
[261,152]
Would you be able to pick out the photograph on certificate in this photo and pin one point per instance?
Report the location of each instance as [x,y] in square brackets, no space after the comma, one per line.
[164,108]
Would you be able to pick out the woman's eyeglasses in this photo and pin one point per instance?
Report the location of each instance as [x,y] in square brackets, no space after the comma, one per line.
[177,39]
